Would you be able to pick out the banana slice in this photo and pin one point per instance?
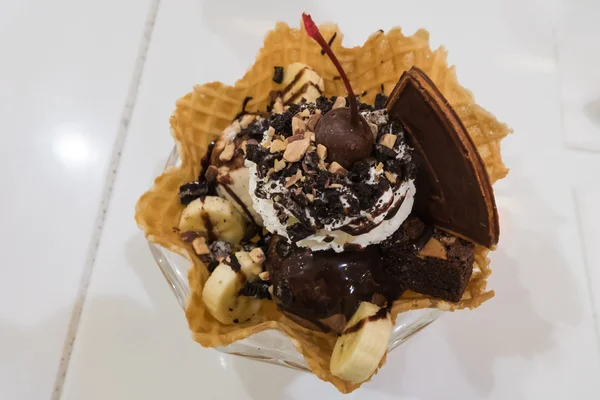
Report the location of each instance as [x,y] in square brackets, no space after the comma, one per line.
[220,295]
[213,216]
[248,267]
[301,81]
[359,350]
[239,179]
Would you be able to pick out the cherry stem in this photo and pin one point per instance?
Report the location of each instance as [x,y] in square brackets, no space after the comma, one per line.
[313,33]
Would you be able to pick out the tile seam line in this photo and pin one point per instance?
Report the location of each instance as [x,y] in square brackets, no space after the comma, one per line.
[586,267]
[115,159]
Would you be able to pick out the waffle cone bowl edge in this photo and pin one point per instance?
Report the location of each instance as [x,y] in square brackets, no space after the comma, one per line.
[201,115]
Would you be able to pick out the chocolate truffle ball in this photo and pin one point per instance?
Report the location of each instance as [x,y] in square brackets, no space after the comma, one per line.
[346,142]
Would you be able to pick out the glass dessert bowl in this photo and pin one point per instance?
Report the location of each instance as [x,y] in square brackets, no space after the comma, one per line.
[271,346]
[311,236]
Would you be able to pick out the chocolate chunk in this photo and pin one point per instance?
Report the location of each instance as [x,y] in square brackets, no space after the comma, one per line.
[212,264]
[360,171]
[365,193]
[192,191]
[380,100]
[334,203]
[278,74]
[255,152]
[266,163]
[220,249]
[392,127]
[256,289]
[282,123]
[290,204]
[299,231]
[256,129]
[453,187]
[324,104]
[234,263]
[384,153]
[395,166]
[311,160]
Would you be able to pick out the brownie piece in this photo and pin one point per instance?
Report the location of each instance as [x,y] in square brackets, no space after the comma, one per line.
[442,272]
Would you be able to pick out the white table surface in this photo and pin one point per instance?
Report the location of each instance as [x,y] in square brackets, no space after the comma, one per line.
[86,89]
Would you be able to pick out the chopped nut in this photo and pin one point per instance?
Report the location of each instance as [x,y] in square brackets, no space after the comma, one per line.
[246,119]
[293,179]
[278,106]
[443,305]
[311,148]
[305,113]
[310,197]
[219,147]
[243,146]
[233,129]
[211,173]
[277,145]
[448,240]
[298,125]
[433,248]
[312,121]
[270,132]
[296,150]
[309,135]
[292,139]
[335,186]
[374,129]
[388,140]
[264,276]
[257,255]
[279,165]
[390,176]
[379,167]
[227,152]
[271,291]
[321,152]
[200,247]
[339,102]
[336,168]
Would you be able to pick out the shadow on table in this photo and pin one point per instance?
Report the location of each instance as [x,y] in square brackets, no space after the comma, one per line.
[535,291]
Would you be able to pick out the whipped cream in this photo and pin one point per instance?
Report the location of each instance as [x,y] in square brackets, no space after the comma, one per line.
[276,201]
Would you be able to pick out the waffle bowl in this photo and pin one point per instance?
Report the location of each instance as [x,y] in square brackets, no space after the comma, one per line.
[201,116]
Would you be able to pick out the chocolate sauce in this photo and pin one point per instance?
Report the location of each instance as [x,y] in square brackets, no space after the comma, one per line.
[244,104]
[317,285]
[239,201]
[301,92]
[210,233]
[330,42]
[205,162]
[293,82]
[381,314]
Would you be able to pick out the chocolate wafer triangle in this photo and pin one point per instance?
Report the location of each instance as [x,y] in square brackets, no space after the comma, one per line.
[453,188]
